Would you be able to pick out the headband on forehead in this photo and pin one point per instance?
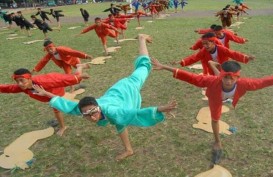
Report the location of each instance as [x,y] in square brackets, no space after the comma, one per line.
[48,46]
[213,39]
[232,74]
[26,76]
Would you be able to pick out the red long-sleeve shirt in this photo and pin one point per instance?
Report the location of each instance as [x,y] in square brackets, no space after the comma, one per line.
[223,54]
[67,56]
[118,23]
[52,82]
[214,88]
[102,30]
[231,37]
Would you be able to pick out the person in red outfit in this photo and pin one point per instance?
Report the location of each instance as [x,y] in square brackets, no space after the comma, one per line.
[211,29]
[226,16]
[62,56]
[199,45]
[152,8]
[206,30]
[242,8]
[210,51]
[137,14]
[103,30]
[119,23]
[225,37]
[52,82]
[227,84]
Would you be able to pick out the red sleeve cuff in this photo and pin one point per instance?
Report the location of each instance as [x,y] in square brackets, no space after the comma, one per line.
[175,73]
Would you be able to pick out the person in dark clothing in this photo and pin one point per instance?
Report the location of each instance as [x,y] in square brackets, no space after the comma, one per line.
[24,23]
[113,10]
[56,14]
[41,25]
[17,20]
[8,19]
[85,15]
[43,15]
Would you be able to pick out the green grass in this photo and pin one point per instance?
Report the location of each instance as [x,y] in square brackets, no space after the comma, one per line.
[172,148]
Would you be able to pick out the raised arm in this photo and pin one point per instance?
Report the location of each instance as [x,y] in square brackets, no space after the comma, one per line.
[195,79]
[252,84]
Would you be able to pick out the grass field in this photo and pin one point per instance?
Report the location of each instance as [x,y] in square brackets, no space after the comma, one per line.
[170,149]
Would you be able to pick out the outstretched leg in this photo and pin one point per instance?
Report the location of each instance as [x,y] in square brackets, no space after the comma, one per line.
[143,38]
[142,63]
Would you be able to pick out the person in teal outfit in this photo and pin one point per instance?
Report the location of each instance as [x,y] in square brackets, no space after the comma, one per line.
[121,104]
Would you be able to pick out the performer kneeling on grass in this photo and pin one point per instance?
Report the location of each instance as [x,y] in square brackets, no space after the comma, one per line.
[52,82]
[227,84]
[121,104]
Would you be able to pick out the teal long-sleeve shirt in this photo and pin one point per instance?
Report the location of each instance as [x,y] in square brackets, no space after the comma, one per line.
[121,104]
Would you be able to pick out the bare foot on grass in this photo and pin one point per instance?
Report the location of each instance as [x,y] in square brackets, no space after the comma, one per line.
[124,155]
[61,131]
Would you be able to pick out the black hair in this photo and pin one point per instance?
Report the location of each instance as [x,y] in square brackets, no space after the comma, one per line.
[208,35]
[97,18]
[39,8]
[47,42]
[81,8]
[33,16]
[231,66]
[227,6]
[218,28]
[21,71]
[19,12]
[212,26]
[87,101]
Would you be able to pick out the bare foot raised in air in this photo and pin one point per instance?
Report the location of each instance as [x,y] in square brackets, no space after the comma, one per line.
[147,37]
